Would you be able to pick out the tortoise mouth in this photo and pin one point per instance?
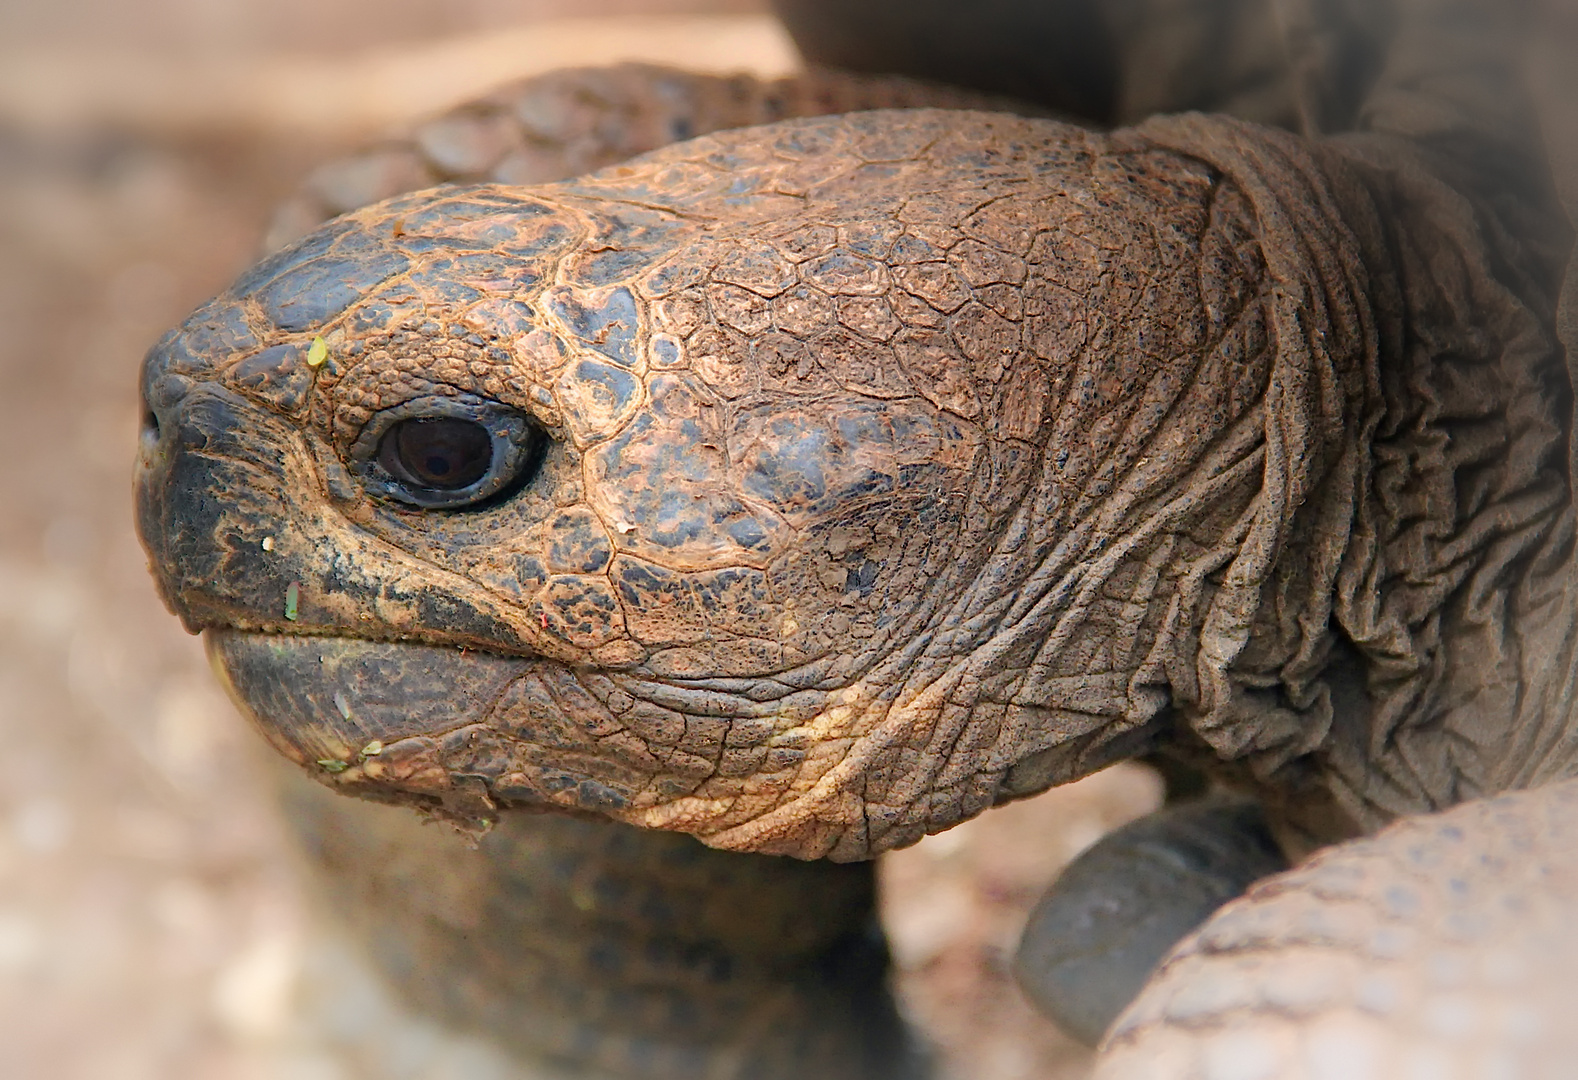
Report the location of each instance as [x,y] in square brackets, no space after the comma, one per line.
[327,698]
[447,730]
[464,735]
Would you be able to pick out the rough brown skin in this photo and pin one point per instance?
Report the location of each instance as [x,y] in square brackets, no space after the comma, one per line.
[586,946]
[758,496]
[712,461]
[1195,431]
[1441,947]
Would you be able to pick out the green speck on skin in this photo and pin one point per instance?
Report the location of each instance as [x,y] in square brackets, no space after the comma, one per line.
[292,600]
[332,765]
[373,749]
[317,352]
[342,703]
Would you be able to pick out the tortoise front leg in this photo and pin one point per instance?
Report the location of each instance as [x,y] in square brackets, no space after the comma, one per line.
[1114,912]
[1440,947]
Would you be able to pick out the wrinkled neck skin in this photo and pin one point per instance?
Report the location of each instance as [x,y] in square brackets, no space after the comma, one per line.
[900,464]
[1447,660]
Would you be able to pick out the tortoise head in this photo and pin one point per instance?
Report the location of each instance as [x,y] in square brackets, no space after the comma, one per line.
[808,489]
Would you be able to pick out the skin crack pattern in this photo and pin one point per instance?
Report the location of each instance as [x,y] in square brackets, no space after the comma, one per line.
[871,470]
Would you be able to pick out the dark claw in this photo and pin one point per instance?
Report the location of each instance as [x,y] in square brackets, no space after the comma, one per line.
[1106,923]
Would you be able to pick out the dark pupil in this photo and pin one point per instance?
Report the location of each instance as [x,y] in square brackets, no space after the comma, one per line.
[439,453]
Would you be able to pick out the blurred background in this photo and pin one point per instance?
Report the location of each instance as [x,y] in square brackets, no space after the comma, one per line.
[151,921]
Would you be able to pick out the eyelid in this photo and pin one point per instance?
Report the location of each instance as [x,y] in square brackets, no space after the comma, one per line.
[518,442]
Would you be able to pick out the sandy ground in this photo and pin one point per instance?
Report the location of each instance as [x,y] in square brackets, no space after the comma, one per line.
[151,925]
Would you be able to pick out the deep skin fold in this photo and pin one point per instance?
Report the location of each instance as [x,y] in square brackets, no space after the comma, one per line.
[864,510]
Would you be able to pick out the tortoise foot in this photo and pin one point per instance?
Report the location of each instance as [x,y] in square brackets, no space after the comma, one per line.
[1099,932]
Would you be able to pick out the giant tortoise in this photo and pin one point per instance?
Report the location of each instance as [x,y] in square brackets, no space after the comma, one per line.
[812,487]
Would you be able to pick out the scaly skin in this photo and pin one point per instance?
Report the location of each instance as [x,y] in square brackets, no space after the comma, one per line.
[1040,387]
[740,465]
[595,951]
[779,973]
[899,465]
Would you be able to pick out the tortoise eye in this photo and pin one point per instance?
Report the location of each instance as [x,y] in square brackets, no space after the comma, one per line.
[447,453]
[440,453]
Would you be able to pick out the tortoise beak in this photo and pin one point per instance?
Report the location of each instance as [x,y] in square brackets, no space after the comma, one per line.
[200,498]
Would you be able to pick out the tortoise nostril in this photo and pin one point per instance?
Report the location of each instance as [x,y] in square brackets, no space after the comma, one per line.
[160,396]
[149,432]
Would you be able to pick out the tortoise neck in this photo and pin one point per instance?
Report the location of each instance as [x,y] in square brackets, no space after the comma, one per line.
[1450,658]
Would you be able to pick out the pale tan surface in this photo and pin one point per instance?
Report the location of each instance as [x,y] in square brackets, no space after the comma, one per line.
[327,27]
[150,925]
[296,91]
[138,864]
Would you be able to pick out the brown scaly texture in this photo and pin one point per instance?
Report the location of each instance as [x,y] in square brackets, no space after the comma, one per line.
[800,383]
[1460,446]
[1135,432]
[1443,945]
[593,946]
[600,952]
